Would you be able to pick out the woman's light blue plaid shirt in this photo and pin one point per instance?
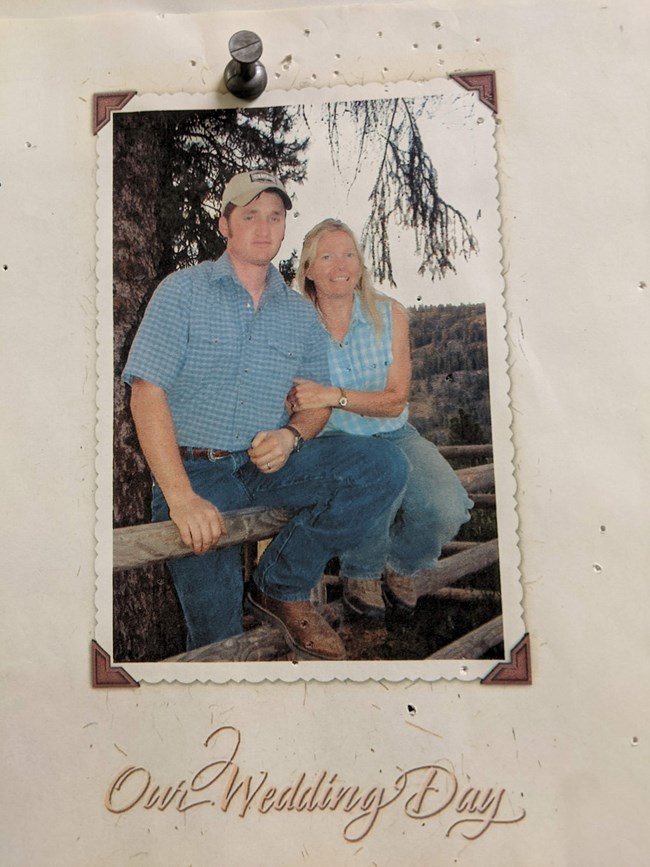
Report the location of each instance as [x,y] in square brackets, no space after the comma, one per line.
[361,363]
[225,367]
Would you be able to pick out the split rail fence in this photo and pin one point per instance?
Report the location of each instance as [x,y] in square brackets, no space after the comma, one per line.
[153,543]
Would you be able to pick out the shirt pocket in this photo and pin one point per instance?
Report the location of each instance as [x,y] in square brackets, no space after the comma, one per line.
[282,359]
[212,352]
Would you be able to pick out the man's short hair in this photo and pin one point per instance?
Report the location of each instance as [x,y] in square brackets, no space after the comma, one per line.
[246,186]
[227,211]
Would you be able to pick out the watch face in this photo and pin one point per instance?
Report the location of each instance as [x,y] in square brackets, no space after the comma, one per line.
[343,401]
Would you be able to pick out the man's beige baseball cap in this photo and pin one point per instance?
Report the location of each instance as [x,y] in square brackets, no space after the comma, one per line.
[242,189]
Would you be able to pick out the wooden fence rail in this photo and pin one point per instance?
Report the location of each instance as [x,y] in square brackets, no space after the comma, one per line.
[154,543]
[476,451]
[475,643]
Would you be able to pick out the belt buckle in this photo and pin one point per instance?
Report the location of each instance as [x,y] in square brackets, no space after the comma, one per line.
[213,456]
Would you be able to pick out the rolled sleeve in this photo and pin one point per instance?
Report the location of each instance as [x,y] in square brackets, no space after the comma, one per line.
[160,346]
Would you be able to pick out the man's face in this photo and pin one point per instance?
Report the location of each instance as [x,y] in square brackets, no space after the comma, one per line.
[255,231]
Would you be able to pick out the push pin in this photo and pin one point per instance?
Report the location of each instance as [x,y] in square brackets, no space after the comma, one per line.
[245,76]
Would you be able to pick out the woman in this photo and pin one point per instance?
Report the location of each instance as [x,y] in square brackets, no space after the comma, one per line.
[370,364]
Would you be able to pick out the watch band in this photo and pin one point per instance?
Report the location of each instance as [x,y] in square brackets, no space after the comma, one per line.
[298,439]
[343,399]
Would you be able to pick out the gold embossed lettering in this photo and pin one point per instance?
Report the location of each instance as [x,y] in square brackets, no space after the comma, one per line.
[434,795]
[136,781]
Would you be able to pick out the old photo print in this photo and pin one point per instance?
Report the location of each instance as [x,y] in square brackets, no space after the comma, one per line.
[412,170]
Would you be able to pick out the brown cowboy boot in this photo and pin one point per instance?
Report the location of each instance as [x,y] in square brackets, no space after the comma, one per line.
[304,629]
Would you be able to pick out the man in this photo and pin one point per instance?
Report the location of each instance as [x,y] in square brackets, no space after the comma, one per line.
[213,360]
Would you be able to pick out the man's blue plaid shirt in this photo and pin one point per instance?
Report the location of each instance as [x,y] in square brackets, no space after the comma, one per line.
[225,367]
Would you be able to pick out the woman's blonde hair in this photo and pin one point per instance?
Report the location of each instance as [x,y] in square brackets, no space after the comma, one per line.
[370,298]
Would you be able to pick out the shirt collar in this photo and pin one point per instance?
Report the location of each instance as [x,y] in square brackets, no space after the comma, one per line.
[275,284]
[359,315]
[358,319]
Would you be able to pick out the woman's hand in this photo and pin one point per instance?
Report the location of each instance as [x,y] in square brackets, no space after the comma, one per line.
[306,394]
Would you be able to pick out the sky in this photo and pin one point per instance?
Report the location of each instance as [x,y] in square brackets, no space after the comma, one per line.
[458,135]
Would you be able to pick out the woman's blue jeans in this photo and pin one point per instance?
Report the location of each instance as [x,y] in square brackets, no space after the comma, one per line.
[347,489]
[433,509]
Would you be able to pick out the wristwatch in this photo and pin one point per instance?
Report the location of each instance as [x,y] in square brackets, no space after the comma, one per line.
[343,399]
[298,441]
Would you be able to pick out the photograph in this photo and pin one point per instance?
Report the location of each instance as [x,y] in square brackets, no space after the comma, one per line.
[372,226]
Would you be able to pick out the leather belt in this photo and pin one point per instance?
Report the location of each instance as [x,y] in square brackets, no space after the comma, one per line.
[203,454]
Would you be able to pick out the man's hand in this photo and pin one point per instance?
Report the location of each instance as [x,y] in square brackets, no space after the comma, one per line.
[199,522]
[270,449]
[306,394]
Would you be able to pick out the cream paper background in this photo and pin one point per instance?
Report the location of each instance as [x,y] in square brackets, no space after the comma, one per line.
[572,749]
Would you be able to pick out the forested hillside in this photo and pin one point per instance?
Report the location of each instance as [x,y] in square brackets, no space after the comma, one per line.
[450,390]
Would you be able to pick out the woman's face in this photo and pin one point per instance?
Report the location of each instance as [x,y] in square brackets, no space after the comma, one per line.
[335,269]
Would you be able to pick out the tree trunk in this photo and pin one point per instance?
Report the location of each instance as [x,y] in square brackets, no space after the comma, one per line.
[139,263]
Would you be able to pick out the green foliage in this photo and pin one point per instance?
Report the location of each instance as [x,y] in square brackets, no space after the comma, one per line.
[464,430]
[405,189]
[195,153]
[289,267]
[450,386]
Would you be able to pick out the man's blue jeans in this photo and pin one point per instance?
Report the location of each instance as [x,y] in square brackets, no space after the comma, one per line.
[433,508]
[346,487]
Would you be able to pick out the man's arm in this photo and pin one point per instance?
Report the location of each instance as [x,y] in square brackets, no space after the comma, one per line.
[199,522]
